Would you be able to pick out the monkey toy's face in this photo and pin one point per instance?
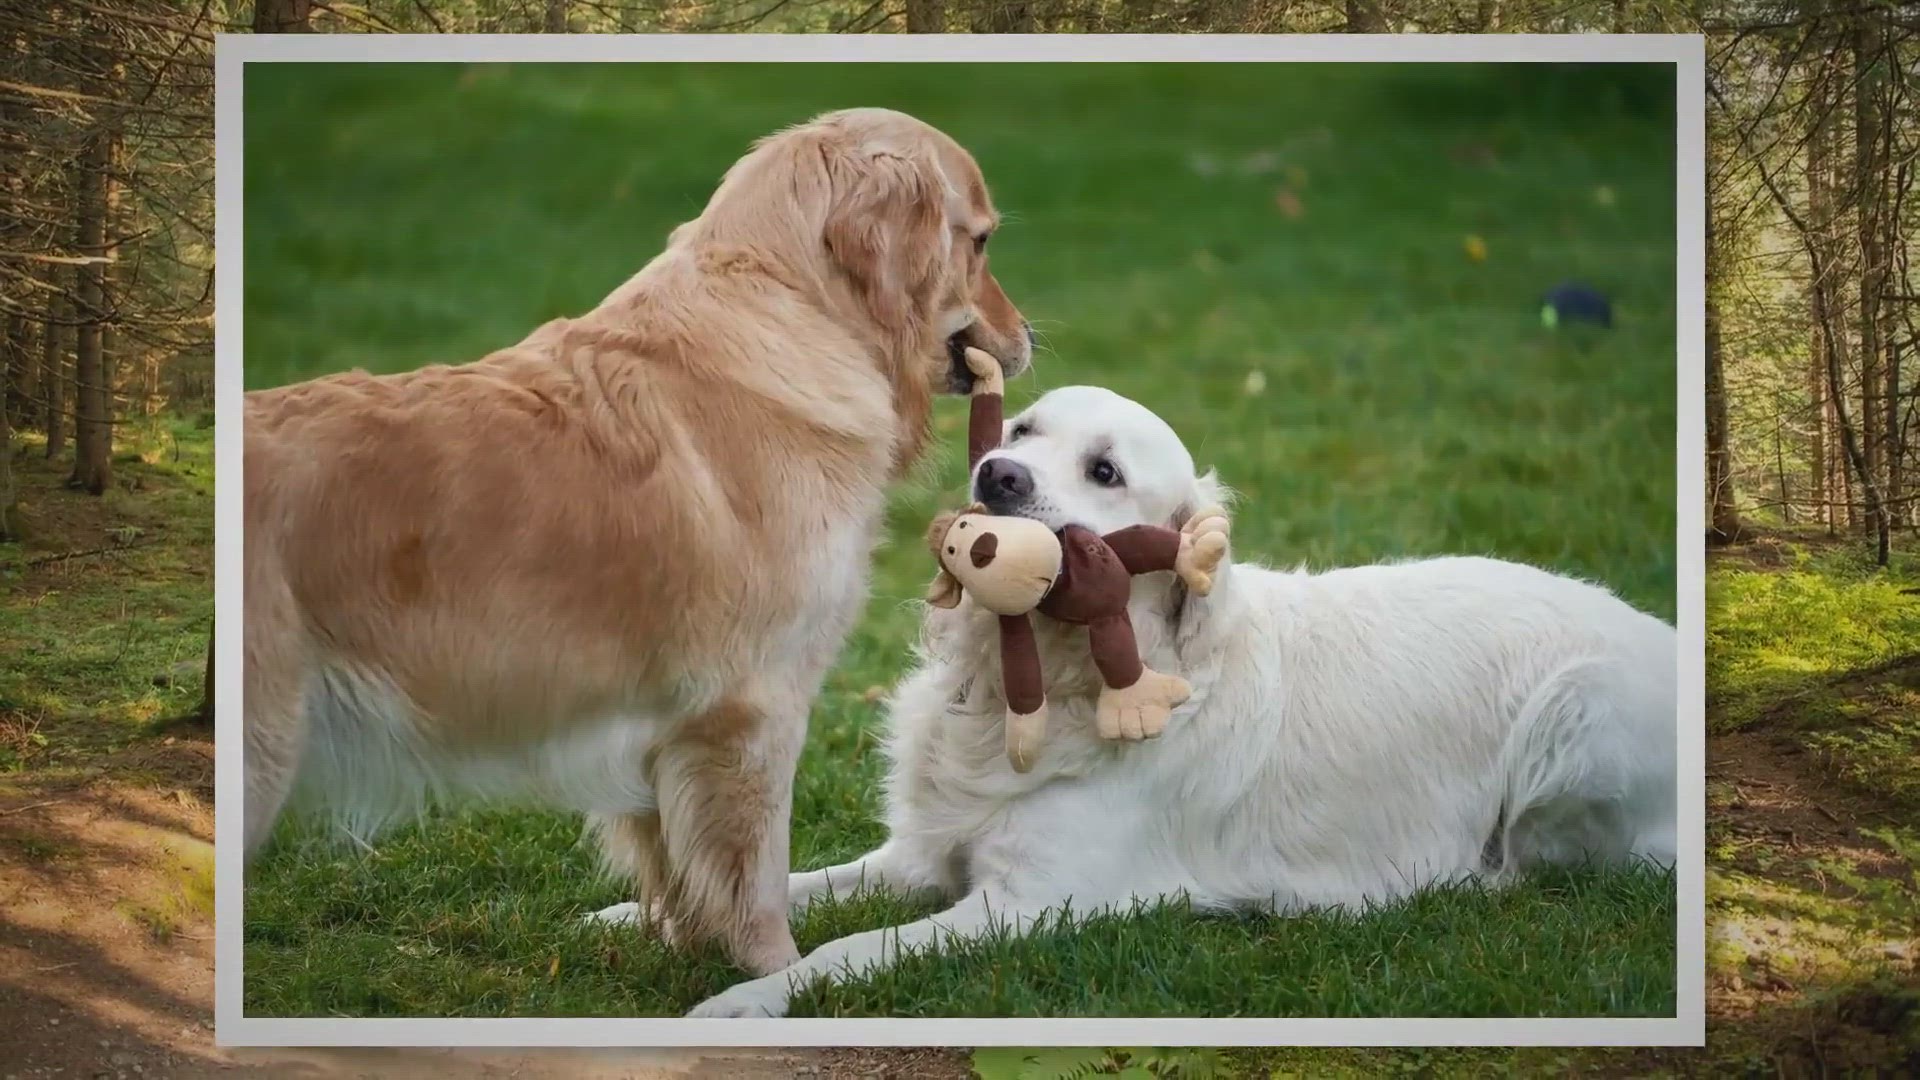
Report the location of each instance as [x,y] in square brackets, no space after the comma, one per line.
[1006,564]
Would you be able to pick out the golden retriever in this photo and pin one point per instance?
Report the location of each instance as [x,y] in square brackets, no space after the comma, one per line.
[608,567]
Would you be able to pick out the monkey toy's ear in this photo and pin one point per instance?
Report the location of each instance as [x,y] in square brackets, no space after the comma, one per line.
[944,590]
[937,531]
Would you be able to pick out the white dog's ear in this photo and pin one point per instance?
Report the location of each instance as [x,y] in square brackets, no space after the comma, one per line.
[1207,492]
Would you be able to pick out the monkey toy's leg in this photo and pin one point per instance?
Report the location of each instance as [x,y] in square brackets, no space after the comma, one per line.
[1026,692]
[1136,701]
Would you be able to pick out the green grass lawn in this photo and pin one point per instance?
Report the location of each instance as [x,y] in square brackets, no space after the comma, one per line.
[1275,258]
[106,606]
[1806,635]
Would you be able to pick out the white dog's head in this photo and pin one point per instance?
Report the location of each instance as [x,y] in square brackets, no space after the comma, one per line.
[1083,455]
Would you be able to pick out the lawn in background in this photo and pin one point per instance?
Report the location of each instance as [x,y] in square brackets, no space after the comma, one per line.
[1326,277]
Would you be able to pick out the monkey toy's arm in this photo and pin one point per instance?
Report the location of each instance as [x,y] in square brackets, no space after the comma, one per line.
[1192,552]
[1026,691]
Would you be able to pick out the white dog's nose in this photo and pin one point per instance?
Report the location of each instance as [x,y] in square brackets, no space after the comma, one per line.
[1003,484]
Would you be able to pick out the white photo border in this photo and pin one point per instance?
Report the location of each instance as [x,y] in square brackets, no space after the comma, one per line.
[1686,53]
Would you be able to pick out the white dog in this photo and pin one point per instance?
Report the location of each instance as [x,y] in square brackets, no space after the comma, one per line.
[1352,736]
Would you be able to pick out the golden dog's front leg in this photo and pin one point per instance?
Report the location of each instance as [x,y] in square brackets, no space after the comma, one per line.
[631,846]
[725,786]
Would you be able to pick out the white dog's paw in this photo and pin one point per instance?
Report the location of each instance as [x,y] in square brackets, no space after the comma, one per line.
[650,916]
[760,997]
[627,914]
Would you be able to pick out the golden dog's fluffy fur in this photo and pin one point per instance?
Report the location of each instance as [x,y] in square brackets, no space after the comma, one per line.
[609,566]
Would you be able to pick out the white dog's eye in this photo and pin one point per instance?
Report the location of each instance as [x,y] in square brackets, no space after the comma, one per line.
[1020,431]
[1103,473]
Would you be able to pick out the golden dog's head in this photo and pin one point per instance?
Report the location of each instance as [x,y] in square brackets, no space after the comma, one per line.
[890,213]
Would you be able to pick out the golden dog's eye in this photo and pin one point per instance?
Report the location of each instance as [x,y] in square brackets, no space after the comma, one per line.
[980,243]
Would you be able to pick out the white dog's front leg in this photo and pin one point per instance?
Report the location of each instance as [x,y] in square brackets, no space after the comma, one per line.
[858,954]
[892,867]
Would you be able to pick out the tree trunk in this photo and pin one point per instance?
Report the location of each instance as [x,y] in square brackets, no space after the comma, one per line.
[1867,182]
[1819,453]
[1618,23]
[926,16]
[15,400]
[1894,442]
[1780,464]
[1825,317]
[1893,185]
[1486,16]
[1876,509]
[53,375]
[1844,470]
[1723,525]
[1366,17]
[556,21]
[93,433]
[282,16]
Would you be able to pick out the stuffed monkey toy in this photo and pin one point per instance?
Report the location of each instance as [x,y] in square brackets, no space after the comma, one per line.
[1013,566]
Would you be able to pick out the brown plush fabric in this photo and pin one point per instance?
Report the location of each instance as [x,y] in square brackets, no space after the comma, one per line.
[985,413]
[1144,549]
[1093,583]
[1115,652]
[1096,580]
[1020,665]
[983,549]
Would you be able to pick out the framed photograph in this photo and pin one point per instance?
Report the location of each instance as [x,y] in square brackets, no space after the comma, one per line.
[960,540]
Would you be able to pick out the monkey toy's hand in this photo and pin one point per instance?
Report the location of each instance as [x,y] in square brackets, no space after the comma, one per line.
[986,372]
[1203,543]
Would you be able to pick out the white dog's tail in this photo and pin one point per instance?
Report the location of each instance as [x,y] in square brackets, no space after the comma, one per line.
[1588,771]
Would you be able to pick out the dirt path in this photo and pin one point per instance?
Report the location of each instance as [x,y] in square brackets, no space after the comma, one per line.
[106,952]
[1802,970]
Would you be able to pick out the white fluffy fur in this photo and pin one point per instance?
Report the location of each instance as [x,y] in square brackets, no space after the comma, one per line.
[1353,735]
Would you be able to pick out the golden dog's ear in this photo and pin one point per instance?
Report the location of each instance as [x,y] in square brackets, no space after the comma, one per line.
[887,228]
